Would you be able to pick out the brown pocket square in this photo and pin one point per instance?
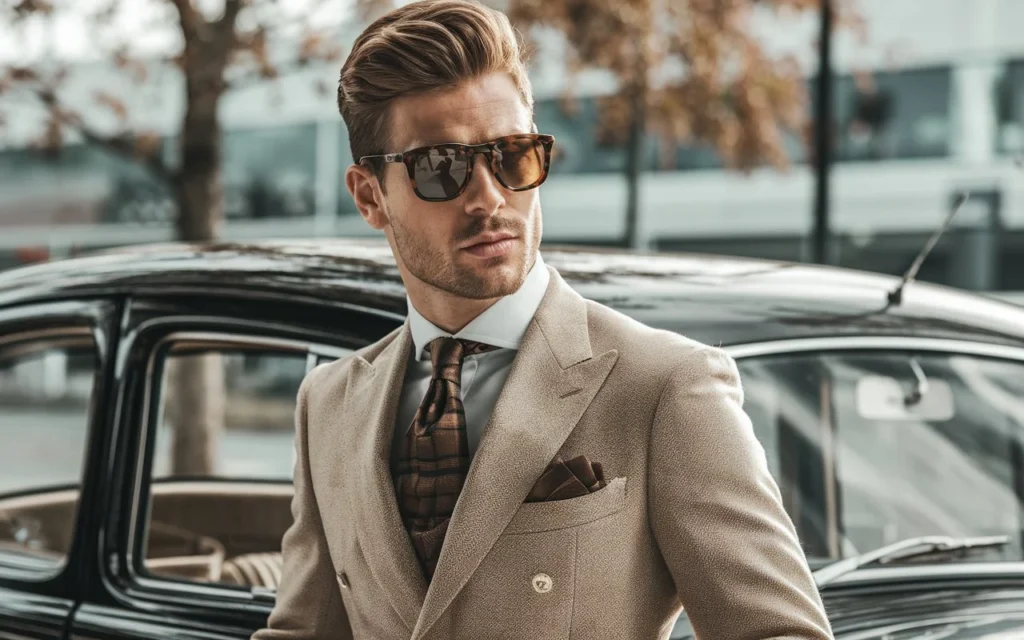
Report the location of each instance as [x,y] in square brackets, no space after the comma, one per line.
[565,479]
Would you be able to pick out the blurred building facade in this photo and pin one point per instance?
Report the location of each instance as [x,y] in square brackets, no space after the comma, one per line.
[930,106]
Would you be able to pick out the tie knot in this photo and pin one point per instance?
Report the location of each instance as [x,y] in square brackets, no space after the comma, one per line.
[447,354]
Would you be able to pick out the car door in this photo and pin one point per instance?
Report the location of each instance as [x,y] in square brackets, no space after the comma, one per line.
[54,382]
[191,543]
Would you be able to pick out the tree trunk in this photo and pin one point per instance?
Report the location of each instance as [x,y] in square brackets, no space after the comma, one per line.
[196,411]
[198,381]
[635,157]
[199,191]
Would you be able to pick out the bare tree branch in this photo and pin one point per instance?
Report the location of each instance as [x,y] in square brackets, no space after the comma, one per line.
[142,149]
[255,77]
[128,147]
[22,9]
[206,61]
[192,23]
[729,93]
[226,24]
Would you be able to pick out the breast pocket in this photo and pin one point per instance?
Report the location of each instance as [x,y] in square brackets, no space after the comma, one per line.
[535,517]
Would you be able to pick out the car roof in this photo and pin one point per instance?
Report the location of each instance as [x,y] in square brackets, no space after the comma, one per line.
[715,299]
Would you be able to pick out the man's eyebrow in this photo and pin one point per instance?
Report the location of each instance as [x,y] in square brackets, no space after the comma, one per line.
[416,144]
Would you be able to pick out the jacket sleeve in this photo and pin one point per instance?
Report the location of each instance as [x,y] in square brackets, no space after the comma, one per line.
[717,514]
[309,604]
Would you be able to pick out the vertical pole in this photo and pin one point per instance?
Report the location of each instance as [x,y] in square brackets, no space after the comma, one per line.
[823,139]
[635,155]
[975,251]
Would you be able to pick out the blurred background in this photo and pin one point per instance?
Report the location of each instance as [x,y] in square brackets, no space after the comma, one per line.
[926,101]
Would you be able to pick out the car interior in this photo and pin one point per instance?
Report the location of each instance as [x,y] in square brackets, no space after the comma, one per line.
[204,531]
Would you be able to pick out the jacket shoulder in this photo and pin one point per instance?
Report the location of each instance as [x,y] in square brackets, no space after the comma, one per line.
[334,374]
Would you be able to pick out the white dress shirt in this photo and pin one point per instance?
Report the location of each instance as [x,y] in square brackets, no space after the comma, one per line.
[483,375]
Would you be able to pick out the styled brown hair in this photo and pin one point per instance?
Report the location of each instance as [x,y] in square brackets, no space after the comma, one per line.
[424,46]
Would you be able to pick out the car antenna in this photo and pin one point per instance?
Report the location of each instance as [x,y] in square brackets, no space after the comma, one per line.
[896,295]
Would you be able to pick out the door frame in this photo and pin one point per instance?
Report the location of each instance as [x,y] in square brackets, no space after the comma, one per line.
[132,604]
[45,604]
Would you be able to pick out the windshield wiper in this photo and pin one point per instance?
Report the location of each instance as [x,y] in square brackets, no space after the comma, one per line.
[909,548]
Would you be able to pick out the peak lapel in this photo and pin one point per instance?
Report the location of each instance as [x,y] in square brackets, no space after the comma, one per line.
[552,382]
[372,399]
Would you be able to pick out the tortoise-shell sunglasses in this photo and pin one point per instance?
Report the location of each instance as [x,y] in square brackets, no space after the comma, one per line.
[440,172]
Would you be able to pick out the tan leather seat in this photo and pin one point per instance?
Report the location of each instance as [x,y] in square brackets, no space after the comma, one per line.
[253,570]
[180,553]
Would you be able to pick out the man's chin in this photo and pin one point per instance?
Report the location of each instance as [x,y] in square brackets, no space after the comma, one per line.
[483,282]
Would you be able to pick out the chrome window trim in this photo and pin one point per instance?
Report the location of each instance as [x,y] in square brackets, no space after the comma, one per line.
[939,571]
[890,575]
[875,343]
[72,332]
[328,351]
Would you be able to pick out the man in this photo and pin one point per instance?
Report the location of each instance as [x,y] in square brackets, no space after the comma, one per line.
[514,461]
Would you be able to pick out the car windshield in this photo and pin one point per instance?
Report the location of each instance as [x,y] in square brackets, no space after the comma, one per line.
[872,447]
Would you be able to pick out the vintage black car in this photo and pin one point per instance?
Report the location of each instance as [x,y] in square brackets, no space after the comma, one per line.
[890,421]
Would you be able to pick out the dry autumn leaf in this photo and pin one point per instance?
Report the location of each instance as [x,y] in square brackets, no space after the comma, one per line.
[727,90]
[113,103]
[147,144]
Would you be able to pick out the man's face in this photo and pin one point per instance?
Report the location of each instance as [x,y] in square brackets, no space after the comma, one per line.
[440,243]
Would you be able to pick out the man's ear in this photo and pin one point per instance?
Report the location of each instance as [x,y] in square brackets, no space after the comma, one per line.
[366,191]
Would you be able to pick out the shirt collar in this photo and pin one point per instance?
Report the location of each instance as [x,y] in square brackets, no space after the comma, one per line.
[502,324]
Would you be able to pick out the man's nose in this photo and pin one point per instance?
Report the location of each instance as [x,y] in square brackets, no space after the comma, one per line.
[484,194]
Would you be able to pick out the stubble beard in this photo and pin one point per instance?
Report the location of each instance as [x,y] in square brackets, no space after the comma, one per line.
[435,268]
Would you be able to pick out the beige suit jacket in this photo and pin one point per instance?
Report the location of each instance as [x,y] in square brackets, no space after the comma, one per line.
[692,520]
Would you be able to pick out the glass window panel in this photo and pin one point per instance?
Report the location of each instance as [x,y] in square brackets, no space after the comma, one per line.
[346,206]
[577,149]
[223,524]
[254,419]
[1010,108]
[46,391]
[77,184]
[854,479]
[270,172]
[893,115]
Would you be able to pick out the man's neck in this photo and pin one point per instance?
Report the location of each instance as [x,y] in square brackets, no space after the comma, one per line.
[448,312]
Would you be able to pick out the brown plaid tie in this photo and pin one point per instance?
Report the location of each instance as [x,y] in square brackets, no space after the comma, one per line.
[433,458]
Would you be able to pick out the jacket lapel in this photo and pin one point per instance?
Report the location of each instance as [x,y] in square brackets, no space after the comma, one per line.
[553,380]
[372,397]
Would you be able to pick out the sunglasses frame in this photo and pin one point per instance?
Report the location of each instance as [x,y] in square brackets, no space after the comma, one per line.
[488,149]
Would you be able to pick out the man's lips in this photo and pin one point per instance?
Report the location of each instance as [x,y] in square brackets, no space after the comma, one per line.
[492,246]
[489,238]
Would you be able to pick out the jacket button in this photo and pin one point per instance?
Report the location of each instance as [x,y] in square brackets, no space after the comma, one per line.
[542,583]
[343,580]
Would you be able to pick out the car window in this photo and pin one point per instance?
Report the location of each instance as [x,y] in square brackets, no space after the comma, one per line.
[246,432]
[873,447]
[222,459]
[46,386]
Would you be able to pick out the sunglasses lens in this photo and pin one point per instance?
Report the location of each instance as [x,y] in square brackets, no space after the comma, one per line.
[520,162]
[440,172]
